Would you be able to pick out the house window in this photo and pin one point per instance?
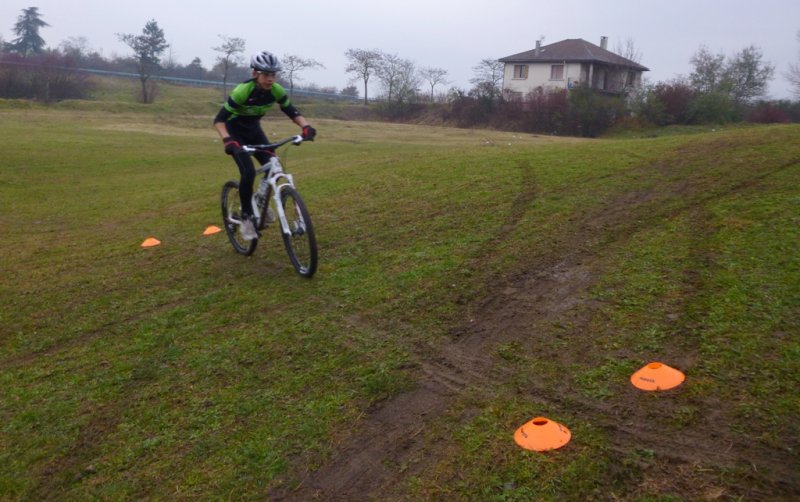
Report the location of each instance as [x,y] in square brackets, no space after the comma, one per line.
[557,72]
[631,81]
[520,71]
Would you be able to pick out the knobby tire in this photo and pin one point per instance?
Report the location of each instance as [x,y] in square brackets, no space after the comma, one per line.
[301,245]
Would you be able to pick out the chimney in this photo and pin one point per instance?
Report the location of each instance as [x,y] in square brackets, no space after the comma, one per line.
[538,47]
[604,43]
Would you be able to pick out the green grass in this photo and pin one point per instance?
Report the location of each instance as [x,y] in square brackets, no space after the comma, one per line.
[707,281]
[187,370]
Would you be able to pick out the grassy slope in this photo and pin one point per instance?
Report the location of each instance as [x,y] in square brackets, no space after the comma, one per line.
[186,369]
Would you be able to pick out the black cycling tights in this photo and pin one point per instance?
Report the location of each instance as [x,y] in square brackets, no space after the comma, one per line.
[247,133]
[247,174]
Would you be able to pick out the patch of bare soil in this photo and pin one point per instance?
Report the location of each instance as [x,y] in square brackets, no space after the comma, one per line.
[390,444]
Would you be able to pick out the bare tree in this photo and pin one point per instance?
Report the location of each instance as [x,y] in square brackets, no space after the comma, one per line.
[742,78]
[390,72]
[230,51]
[407,82]
[793,75]
[170,62]
[363,64]
[747,75]
[708,70]
[76,50]
[488,75]
[292,65]
[148,47]
[628,50]
[434,77]
[75,47]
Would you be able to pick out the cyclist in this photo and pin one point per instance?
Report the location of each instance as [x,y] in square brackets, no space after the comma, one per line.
[239,123]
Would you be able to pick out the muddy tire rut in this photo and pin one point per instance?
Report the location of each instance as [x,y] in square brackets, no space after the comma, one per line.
[389,444]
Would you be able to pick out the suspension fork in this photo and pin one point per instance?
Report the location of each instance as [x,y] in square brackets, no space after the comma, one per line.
[278,182]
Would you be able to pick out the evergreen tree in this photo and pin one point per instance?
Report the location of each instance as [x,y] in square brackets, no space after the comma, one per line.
[28,41]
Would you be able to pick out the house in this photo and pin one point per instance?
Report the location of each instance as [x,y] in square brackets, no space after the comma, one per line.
[569,63]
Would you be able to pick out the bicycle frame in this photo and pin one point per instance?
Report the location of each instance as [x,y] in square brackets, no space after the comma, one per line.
[276,177]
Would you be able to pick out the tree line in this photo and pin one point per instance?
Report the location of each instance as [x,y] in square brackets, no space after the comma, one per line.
[719,88]
[28,69]
[400,78]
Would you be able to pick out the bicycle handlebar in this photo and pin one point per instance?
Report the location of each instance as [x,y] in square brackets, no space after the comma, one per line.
[296,140]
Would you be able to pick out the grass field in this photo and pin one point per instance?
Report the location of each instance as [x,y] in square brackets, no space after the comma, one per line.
[534,274]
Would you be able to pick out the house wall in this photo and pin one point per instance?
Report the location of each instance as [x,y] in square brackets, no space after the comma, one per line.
[539,76]
[574,74]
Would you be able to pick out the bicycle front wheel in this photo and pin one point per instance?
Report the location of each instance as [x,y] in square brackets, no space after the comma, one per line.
[231,218]
[301,244]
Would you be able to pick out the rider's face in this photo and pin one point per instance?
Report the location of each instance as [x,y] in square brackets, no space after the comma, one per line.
[265,79]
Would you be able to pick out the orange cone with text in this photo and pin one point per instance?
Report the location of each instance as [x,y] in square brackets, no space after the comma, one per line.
[542,434]
[657,376]
[150,242]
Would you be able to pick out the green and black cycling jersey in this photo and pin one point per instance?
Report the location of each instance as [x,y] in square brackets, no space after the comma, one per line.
[247,103]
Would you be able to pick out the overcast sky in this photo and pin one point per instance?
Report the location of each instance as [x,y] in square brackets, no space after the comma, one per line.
[453,35]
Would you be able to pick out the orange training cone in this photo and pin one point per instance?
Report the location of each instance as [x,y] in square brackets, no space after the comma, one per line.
[657,376]
[211,230]
[150,242]
[542,434]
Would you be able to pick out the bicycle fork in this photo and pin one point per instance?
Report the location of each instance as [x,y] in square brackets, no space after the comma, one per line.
[277,181]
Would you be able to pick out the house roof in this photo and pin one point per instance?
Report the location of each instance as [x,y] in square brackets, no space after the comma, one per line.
[573,50]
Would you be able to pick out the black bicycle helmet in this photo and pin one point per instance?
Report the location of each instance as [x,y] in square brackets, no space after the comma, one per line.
[265,61]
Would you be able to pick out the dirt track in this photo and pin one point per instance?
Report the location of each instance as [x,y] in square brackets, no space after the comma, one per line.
[554,290]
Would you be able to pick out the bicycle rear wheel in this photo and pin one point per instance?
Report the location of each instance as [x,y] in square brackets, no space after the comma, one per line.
[301,244]
[232,216]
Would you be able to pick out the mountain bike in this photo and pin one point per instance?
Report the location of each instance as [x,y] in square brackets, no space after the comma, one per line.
[275,199]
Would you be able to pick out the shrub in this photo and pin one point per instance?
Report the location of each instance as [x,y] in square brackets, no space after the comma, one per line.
[546,112]
[399,110]
[647,108]
[791,108]
[466,111]
[768,113]
[777,111]
[580,111]
[50,77]
[711,108]
[675,99]
[591,113]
